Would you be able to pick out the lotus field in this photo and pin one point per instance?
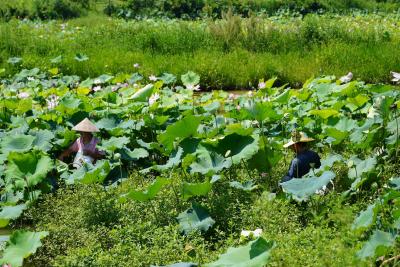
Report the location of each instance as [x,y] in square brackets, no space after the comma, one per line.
[205,155]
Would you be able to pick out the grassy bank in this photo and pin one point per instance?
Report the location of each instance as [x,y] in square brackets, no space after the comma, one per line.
[229,53]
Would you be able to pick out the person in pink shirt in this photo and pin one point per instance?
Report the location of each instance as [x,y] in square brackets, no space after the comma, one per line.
[85,146]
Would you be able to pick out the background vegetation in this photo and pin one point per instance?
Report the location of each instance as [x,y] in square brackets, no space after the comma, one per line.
[232,53]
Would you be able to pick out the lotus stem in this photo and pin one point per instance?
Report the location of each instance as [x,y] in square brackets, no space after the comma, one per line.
[385,262]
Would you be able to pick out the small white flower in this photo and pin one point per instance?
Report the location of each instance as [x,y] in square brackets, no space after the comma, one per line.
[261,85]
[347,78]
[396,76]
[153,98]
[136,65]
[31,79]
[52,101]
[153,78]
[255,233]
[97,88]
[232,96]
[23,95]
[193,87]
[250,93]
[238,107]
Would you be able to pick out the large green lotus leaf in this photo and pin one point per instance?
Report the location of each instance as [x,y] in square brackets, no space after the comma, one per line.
[376,244]
[208,162]
[346,125]
[143,94]
[104,78]
[361,166]
[89,174]
[213,107]
[21,245]
[114,143]
[359,100]
[261,111]
[195,218]
[173,161]
[283,98]
[17,143]
[324,113]
[240,147]
[239,129]
[366,218]
[302,188]
[195,189]
[168,78]
[137,153]
[246,186]
[329,160]
[10,213]
[255,254]
[337,135]
[43,139]
[265,159]
[107,123]
[179,130]
[23,168]
[190,78]
[150,193]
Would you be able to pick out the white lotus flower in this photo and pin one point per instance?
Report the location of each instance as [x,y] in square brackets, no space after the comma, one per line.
[97,88]
[31,79]
[153,78]
[255,233]
[153,98]
[193,87]
[396,76]
[52,101]
[23,95]
[347,78]
[261,85]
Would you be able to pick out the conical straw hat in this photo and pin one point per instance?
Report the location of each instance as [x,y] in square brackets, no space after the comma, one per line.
[298,137]
[85,126]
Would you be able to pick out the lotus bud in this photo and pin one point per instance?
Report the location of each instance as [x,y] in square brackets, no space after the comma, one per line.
[117,156]
[227,153]
[350,163]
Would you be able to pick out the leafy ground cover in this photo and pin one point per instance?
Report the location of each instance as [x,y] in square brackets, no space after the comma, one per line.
[292,48]
[184,174]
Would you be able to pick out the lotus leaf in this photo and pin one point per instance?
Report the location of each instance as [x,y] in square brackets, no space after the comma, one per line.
[190,78]
[208,162]
[246,186]
[27,169]
[179,264]
[324,113]
[255,254]
[195,189]
[137,153]
[43,139]
[10,213]
[148,194]
[184,128]
[21,245]
[143,94]
[240,147]
[81,57]
[114,143]
[361,166]
[376,244]
[17,143]
[366,218]
[195,218]
[302,188]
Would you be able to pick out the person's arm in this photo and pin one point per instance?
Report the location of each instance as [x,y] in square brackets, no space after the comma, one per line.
[291,173]
[66,153]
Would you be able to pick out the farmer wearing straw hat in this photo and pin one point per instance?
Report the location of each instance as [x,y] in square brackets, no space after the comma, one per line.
[305,159]
[85,145]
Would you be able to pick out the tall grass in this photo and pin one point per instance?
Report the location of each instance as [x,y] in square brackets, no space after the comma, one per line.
[227,53]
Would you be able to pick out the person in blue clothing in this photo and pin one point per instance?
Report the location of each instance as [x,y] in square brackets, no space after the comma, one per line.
[305,158]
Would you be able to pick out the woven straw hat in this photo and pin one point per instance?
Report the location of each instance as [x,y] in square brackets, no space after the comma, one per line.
[86,126]
[298,137]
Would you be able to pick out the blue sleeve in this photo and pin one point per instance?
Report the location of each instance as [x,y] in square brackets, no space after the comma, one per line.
[291,173]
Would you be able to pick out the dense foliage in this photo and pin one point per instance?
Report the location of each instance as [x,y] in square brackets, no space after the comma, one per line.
[292,48]
[191,9]
[184,174]
[43,9]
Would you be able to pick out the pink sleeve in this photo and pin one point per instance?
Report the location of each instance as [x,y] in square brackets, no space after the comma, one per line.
[74,147]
